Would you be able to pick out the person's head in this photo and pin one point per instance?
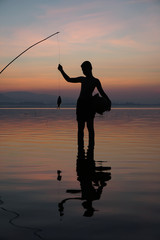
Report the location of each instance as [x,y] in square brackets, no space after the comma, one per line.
[86,68]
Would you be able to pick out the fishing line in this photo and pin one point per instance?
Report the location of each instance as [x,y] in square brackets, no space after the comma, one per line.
[58,47]
[59,99]
[59,51]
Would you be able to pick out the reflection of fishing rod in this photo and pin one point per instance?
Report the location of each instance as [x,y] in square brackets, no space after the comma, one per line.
[27,50]
[17,215]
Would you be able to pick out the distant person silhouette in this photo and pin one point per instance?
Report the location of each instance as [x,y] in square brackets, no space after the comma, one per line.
[85,110]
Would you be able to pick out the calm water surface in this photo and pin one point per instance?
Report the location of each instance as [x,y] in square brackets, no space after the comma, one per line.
[38,203]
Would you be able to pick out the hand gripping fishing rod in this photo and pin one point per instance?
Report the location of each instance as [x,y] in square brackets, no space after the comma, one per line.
[27,50]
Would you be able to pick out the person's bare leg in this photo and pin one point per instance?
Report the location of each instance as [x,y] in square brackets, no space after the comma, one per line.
[90,126]
[81,125]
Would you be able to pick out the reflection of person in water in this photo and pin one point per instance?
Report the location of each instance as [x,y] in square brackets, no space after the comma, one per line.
[85,110]
[92,181]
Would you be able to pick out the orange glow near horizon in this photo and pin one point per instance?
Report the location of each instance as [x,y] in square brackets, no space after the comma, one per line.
[47,83]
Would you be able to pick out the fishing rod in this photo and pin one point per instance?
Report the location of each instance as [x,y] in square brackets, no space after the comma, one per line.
[27,50]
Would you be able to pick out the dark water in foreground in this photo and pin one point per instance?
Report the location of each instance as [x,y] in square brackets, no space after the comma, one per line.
[35,143]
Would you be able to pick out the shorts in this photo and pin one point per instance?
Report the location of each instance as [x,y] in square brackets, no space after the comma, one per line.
[85,109]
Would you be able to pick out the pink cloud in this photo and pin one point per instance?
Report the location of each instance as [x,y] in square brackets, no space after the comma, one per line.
[123,42]
[83,30]
[72,11]
[49,12]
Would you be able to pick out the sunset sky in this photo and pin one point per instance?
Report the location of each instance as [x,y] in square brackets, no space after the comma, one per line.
[120,37]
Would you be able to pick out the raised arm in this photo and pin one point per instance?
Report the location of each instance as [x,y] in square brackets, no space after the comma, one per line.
[66,77]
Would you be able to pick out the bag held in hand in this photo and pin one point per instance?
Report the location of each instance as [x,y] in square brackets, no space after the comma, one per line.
[101,104]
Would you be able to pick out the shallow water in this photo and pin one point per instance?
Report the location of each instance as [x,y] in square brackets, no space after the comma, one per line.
[34,204]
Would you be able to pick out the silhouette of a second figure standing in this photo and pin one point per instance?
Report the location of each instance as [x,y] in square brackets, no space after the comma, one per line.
[85,110]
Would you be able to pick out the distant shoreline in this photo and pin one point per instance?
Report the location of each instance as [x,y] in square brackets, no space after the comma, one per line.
[74,107]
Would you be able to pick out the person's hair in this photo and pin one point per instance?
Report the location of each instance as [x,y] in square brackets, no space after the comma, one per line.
[87,65]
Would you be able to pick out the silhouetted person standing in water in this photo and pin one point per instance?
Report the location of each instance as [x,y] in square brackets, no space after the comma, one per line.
[85,108]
